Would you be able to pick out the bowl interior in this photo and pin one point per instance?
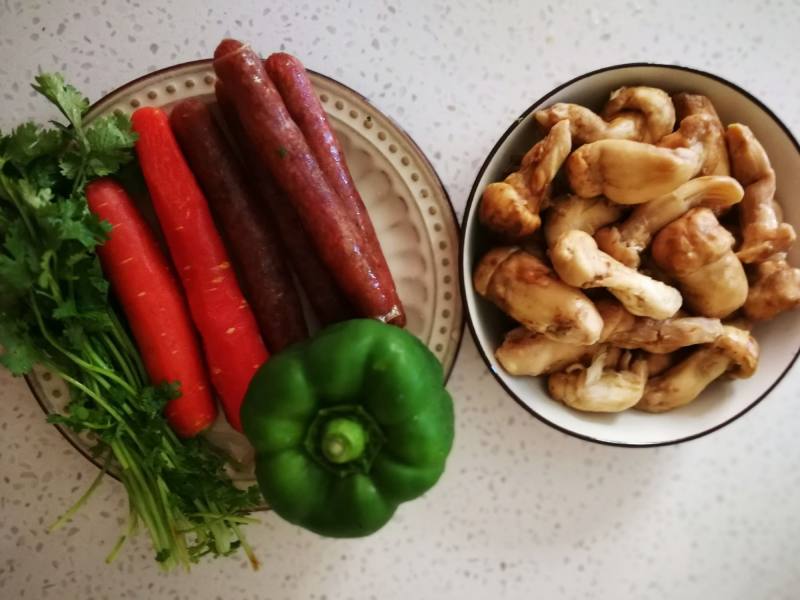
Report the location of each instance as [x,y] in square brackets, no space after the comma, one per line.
[779,338]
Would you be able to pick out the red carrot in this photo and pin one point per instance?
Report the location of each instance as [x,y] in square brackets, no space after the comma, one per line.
[152,301]
[233,346]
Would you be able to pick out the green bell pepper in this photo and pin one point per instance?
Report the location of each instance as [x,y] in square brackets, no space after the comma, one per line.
[348,425]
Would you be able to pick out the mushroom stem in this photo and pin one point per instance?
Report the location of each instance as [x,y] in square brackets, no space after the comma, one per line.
[579,262]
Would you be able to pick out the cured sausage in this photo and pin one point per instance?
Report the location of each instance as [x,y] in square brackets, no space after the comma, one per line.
[290,77]
[280,146]
[327,301]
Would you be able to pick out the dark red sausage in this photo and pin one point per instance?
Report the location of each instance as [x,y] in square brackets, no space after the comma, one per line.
[253,243]
[324,296]
[281,147]
[290,77]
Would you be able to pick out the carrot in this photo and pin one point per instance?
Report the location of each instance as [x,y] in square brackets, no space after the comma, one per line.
[233,346]
[152,301]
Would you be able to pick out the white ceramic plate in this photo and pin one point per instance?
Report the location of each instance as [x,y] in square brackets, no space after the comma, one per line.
[724,401]
[407,202]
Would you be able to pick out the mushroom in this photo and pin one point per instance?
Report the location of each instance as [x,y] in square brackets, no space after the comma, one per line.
[524,352]
[697,251]
[629,239]
[512,207]
[686,105]
[587,126]
[528,291]
[655,104]
[579,262]
[763,233]
[774,289]
[614,382]
[699,132]
[658,363]
[584,214]
[630,172]
[735,352]
[625,330]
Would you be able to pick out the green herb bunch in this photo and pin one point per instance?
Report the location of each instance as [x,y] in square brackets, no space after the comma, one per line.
[55,311]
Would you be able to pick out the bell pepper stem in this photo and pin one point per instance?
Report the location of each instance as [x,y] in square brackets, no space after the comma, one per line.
[343,440]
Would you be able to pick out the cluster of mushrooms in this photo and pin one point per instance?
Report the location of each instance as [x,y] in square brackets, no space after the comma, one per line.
[674,233]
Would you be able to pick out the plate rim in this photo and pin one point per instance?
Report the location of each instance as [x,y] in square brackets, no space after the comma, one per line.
[468,212]
[460,327]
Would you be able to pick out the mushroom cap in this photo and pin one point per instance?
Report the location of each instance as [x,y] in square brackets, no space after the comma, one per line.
[690,242]
[749,160]
[587,126]
[487,266]
[630,172]
[741,348]
[573,212]
[614,382]
[775,289]
[505,210]
[654,103]
[693,104]
[525,352]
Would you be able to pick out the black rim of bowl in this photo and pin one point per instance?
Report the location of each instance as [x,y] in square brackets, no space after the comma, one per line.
[33,385]
[465,274]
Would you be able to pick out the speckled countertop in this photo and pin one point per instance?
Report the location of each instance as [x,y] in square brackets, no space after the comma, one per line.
[523,511]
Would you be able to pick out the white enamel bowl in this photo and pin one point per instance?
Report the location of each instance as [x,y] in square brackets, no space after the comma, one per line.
[722,402]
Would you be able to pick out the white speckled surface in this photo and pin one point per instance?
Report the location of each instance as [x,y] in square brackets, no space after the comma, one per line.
[523,510]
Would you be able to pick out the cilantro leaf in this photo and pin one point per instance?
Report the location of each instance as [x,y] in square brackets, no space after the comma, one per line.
[18,262]
[71,164]
[17,351]
[110,139]
[72,104]
[29,142]
[32,195]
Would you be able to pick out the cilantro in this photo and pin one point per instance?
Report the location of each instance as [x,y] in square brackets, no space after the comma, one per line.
[72,104]
[110,139]
[29,142]
[55,310]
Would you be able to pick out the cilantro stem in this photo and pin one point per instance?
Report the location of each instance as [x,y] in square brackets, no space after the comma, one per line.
[100,368]
[213,517]
[131,529]
[73,357]
[248,549]
[121,362]
[67,516]
[123,339]
[99,399]
[145,502]
[12,196]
